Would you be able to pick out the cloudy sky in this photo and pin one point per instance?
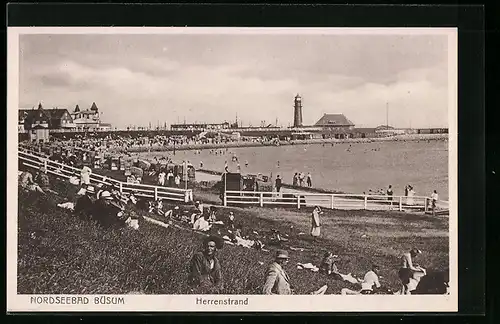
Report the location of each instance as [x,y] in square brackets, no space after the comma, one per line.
[138,79]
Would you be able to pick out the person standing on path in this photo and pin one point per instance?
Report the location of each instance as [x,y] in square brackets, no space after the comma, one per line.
[278,183]
[309,179]
[301,179]
[411,193]
[295,179]
[434,199]
[315,223]
[390,193]
[85,175]
[170,178]
[161,178]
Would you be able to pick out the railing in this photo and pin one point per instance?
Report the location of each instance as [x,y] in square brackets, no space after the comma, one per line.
[66,171]
[332,201]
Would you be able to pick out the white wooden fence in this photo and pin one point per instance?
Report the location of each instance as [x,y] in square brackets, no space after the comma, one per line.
[66,171]
[332,201]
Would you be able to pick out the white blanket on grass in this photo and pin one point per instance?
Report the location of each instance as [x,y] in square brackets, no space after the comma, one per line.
[67,205]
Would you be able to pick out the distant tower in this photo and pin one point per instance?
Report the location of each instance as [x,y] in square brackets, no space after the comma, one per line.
[297,116]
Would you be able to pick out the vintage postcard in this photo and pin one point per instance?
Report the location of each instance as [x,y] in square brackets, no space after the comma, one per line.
[232,169]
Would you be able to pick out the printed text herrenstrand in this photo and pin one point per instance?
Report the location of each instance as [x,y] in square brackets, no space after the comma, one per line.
[225,301]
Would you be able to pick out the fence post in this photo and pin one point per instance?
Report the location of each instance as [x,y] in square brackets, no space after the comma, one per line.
[298,201]
[331,201]
[425,204]
[400,203]
[121,187]
[225,198]
[186,196]
[156,193]
[261,199]
[366,202]
[45,165]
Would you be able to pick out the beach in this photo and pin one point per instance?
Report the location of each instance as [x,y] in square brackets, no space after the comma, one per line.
[235,144]
[345,167]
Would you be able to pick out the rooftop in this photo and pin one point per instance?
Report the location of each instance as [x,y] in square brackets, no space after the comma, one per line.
[334,120]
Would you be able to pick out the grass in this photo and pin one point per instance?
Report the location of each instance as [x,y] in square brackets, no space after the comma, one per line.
[59,253]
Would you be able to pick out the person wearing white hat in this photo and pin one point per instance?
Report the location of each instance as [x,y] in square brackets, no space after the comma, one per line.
[277,280]
[104,211]
[199,206]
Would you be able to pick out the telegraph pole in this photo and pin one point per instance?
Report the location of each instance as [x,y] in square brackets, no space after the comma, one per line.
[387,114]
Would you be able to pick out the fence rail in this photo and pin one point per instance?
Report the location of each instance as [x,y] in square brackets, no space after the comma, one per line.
[332,201]
[66,171]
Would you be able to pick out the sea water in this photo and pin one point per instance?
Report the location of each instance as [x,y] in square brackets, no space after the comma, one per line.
[346,167]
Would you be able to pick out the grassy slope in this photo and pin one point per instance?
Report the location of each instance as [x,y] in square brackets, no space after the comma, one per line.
[59,253]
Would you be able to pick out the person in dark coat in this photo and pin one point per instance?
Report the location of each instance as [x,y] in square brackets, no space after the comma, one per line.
[205,272]
[106,212]
[85,204]
[278,183]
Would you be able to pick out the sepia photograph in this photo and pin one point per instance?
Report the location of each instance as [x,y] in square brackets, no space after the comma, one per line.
[214,165]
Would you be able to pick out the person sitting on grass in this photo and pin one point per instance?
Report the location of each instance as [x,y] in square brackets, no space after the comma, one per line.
[42,179]
[202,224]
[408,269]
[28,184]
[328,265]
[159,207]
[212,218]
[230,222]
[198,207]
[204,271]
[85,204]
[195,216]
[173,214]
[106,212]
[370,279]
[277,280]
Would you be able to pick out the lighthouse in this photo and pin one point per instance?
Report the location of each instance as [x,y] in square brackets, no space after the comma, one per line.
[297,116]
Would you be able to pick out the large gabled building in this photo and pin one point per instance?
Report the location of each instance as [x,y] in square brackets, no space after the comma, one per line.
[334,122]
[86,119]
[55,118]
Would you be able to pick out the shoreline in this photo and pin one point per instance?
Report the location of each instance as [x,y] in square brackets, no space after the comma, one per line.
[188,147]
[284,185]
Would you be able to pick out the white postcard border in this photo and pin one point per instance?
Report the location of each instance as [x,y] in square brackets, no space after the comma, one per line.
[256,303]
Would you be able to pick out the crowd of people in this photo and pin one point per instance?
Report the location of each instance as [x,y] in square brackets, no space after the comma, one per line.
[409,196]
[130,140]
[301,180]
[109,207]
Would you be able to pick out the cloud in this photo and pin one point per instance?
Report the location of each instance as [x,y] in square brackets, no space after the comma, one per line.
[137,79]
